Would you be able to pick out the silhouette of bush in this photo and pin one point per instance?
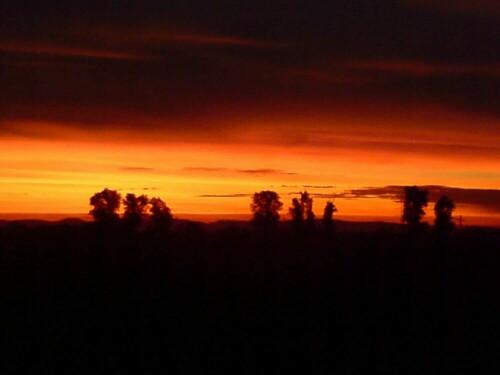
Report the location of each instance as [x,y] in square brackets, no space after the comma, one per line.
[106,205]
[443,209]
[265,208]
[135,208]
[413,208]
[328,212]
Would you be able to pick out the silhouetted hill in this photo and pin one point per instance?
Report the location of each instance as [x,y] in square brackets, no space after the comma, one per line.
[38,222]
[213,226]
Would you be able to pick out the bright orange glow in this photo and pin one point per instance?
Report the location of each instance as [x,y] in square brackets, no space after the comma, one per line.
[204,108]
[59,176]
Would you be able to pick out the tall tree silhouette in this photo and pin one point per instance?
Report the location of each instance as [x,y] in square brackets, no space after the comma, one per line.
[328,212]
[307,204]
[135,208]
[443,209]
[265,208]
[302,210]
[296,211]
[161,216]
[106,205]
[413,207]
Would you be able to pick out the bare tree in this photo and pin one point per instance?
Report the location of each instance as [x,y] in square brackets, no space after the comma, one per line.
[106,205]
[414,204]
[265,208]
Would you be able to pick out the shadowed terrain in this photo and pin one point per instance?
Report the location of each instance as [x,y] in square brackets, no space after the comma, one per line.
[83,297]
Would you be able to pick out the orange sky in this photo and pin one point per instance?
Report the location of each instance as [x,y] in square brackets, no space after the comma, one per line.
[59,175]
[205,105]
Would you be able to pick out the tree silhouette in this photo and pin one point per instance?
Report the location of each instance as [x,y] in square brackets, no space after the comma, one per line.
[414,204]
[296,211]
[443,209]
[301,210]
[161,216]
[135,208]
[330,209]
[106,205]
[307,205]
[265,208]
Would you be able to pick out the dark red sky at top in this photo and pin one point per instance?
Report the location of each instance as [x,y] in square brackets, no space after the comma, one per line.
[195,59]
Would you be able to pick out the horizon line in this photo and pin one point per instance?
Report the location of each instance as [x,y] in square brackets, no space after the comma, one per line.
[469,220]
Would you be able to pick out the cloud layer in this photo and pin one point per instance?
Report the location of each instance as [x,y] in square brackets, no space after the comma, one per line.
[487,199]
[182,60]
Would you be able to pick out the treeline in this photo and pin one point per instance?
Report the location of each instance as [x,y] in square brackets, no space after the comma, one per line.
[107,203]
[265,207]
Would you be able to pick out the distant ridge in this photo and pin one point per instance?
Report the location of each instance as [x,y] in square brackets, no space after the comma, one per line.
[238,220]
[31,223]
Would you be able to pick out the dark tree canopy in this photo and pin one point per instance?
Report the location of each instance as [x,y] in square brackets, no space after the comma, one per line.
[302,209]
[161,215]
[265,207]
[443,209]
[414,204]
[106,205]
[328,212]
[307,204]
[296,211]
[135,208]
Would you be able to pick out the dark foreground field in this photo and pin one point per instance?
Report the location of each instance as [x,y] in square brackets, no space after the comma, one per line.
[86,298]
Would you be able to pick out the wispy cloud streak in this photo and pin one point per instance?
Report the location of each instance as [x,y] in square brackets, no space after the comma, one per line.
[487,199]
[213,40]
[240,195]
[256,171]
[421,68]
[66,51]
[265,171]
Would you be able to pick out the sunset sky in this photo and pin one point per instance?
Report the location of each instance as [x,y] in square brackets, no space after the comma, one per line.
[204,103]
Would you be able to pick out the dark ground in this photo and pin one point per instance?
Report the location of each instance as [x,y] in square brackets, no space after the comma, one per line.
[87,298]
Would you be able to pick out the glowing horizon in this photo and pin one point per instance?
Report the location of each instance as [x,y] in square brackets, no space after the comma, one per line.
[54,176]
[204,108]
